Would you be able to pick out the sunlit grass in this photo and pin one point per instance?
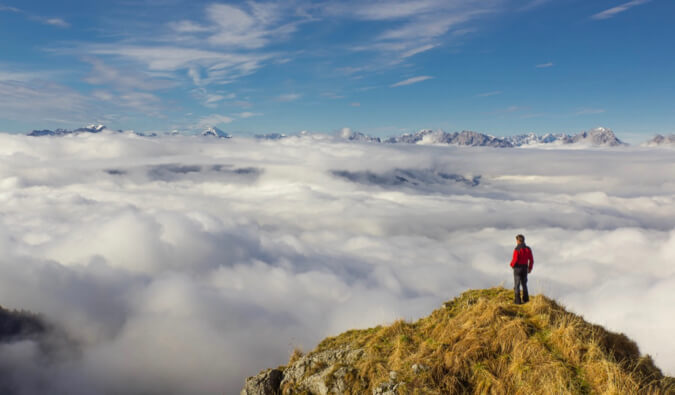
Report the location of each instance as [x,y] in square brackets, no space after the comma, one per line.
[481,342]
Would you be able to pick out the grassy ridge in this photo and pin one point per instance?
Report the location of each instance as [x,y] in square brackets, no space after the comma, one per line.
[481,342]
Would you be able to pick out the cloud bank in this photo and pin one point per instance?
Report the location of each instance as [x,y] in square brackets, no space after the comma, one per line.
[185,264]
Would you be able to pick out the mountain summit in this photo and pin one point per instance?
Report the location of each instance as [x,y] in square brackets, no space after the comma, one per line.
[480,342]
[213,131]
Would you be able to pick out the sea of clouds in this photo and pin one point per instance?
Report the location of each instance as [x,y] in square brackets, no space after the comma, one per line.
[185,264]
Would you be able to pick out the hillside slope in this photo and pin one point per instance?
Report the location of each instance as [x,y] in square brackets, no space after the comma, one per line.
[480,342]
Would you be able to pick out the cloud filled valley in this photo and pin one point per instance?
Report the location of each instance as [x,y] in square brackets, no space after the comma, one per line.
[184,264]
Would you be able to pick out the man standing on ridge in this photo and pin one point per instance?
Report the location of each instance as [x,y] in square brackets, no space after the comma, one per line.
[521,263]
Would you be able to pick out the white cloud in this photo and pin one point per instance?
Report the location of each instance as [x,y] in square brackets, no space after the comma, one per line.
[608,13]
[103,73]
[355,104]
[252,26]
[213,120]
[59,22]
[203,66]
[417,50]
[184,265]
[412,27]
[534,4]
[288,97]
[590,111]
[56,22]
[331,95]
[188,27]
[412,80]
[8,8]
[385,10]
[544,65]
[41,100]
[488,94]
[247,114]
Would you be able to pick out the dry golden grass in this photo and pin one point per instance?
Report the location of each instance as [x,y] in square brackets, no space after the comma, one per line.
[482,343]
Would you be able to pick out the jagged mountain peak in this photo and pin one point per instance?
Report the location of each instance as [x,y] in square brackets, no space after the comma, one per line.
[661,141]
[212,131]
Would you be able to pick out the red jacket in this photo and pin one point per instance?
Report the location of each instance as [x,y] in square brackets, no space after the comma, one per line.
[522,255]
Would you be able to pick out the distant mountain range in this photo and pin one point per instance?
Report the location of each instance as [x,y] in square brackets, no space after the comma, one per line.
[598,137]
[594,137]
[93,128]
[62,132]
[660,141]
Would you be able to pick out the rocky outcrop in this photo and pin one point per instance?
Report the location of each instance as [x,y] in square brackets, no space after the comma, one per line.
[661,141]
[266,382]
[322,373]
[597,136]
[480,342]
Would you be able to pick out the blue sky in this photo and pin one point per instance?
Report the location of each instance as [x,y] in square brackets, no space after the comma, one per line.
[380,67]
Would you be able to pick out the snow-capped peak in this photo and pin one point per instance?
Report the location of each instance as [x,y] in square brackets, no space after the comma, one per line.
[213,131]
[95,127]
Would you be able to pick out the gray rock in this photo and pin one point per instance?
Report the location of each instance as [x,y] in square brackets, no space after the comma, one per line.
[267,382]
[597,136]
[322,372]
[388,388]
[661,141]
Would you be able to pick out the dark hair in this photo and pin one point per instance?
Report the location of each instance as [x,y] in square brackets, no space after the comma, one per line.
[520,238]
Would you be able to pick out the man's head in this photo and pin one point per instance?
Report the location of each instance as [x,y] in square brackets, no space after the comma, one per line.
[520,239]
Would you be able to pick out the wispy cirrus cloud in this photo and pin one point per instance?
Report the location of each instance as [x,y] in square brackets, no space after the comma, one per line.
[248,114]
[534,4]
[42,100]
[8,8]
[229,42]
[415,51]
[411,81]
[331,95]
[611,12]
[544,65]
[103,73]
[412,27]
[288,97]
[487,94]
[56,22]
[213,120]
[589,111]
[59,22]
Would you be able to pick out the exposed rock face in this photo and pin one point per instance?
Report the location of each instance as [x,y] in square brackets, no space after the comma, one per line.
[264,383]
[270,136]
[62,132]
[661,141]
[465,138]
[348,134]
[215,132]
[322,373]
[598,136]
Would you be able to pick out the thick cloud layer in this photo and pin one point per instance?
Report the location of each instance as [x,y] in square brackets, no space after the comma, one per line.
[185,264]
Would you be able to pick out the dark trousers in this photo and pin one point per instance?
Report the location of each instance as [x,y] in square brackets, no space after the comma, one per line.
[520,280]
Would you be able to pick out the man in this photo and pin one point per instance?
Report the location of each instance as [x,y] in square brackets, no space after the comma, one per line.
[521,263]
